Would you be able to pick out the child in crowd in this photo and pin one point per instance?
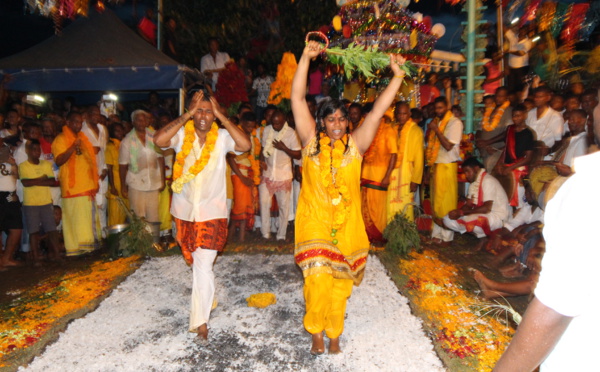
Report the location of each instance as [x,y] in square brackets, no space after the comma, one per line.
[37,178]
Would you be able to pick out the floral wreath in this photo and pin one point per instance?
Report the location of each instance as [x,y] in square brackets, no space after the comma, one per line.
[485,122]
[179,177]
[330,161]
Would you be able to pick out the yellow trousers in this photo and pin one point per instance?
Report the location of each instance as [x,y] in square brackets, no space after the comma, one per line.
[444,191]
[164,208]
[78,225]
[326,299]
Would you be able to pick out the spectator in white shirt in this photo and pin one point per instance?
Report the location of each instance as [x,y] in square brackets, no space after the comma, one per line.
[589,102]
[544,121]
[280,145]
[142,167]
[518,57]
[213,62]
[262,87]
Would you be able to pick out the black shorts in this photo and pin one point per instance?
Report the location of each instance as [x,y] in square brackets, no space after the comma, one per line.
[11,217]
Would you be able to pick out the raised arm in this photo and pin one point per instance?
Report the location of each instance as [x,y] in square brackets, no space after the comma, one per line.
[364,135]
[305,123]
[241,139]
[162,137]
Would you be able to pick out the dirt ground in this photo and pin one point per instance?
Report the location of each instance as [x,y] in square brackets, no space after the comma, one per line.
[460,253]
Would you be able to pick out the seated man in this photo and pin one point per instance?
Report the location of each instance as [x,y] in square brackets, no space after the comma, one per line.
[487,205]
[574,146]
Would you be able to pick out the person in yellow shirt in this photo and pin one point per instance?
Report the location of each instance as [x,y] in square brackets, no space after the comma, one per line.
[331,242]
[378,163]
[78,176]
[37,177]
[408,173]
[116,214]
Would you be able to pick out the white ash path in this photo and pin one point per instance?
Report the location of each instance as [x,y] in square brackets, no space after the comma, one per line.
[142,325]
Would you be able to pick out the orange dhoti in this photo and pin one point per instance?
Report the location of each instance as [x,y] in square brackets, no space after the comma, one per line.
[211,234]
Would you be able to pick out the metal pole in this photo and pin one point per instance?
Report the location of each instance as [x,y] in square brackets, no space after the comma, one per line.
[500,30]
[471,23]
[160,25]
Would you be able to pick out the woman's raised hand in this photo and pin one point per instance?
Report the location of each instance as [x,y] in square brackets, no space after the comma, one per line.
[313,49]
[396,60]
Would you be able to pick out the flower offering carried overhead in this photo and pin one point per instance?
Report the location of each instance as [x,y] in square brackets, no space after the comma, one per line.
[385,25]
[282,86]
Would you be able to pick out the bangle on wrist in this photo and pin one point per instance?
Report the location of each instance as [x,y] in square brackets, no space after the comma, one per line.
[399,76]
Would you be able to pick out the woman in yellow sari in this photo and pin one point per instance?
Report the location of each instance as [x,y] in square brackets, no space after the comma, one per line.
[331,242]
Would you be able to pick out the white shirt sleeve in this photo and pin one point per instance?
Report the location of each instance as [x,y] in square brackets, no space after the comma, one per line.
[124,151]
[453,131]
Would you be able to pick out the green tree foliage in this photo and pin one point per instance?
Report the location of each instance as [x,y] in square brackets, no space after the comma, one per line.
[241,25]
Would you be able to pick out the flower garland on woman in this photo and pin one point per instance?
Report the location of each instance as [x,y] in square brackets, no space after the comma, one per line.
[331,242]
[199,201]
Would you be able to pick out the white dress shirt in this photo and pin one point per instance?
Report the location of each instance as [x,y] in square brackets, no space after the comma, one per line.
[209,63]
[279,164]
[147,176]
[548,128]
[453,132]
[205,197]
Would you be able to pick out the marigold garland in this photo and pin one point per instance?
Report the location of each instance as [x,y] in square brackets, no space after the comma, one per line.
[281,88]
[455,316]
[254,157]
[330,160]
[179,177]
[498,112]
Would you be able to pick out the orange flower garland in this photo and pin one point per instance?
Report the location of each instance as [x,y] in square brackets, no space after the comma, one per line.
[330,161]
[180,178]
[281,88]
[485,122]
[253,157]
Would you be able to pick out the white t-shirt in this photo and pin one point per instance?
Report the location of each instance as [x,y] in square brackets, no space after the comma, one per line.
[578,146]
[453,132]
[263,88]
[209,63]
[514,61]
[279,164]
[568,281]
[147,175]
[548,128]
[492,191]
[205,197]
[524,215]
[8,181]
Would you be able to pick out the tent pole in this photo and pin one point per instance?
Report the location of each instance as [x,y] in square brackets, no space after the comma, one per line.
[160,25]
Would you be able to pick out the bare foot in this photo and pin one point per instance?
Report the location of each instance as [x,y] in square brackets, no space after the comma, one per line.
[12,263]
[203,332]
[482,282]
[318,345]
[512,271]
[480,244]
[334,346]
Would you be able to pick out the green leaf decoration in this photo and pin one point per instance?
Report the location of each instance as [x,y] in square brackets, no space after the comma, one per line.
[402,235]
[364,60]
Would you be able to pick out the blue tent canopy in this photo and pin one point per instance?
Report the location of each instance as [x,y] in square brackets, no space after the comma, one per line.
[96,53]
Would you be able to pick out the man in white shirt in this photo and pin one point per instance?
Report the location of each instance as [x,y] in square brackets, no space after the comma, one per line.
[560,327]
[518,57]
[280,145]
[213,62]
[544,121]
[444,174]
[199,194]
[487,204]
[97,134]
[142,171]
[576,145]
[589,102]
